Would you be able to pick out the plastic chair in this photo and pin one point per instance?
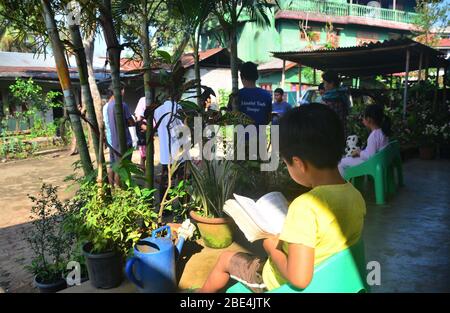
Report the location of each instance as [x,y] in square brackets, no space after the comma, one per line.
[343,272]
[382,167]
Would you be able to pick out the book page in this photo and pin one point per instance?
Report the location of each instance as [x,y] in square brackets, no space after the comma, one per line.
[275,206]
[245,223]
[268,212]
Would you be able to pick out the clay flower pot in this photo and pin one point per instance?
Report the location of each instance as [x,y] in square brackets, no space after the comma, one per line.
[216,233]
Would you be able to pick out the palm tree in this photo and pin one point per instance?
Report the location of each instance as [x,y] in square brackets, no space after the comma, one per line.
[193,14]
[229,12]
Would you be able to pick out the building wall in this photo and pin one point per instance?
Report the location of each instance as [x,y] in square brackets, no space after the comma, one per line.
[215,78]
[256,43]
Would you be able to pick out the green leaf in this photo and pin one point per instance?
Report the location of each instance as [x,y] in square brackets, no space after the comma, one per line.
[165,56]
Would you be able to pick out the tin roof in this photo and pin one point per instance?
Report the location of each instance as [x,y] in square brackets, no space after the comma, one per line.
[385,57]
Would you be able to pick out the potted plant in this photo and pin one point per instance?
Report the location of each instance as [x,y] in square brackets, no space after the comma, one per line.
[50,244]
[428,139]
[108,225]
[445,141]
[213,183]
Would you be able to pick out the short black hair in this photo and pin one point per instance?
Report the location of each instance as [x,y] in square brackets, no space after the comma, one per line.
[279,90]
[321,86]
[314,133]
[331,77]
[249,71]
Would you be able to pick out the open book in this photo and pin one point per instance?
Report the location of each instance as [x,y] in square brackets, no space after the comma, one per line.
[260,219]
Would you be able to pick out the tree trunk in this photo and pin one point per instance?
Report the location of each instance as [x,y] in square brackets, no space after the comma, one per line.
[149,158]
[114,50]
[88,44]
[64,79]
[234,68]
[86,97]
[198,88]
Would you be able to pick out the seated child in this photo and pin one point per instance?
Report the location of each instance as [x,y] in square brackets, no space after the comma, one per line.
[380,126]
[320,223]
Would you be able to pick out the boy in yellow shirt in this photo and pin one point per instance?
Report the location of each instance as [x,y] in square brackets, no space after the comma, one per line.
[319,223]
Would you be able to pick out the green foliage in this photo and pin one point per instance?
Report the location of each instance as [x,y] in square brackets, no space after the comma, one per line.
[34,103]
[355,125]
[224,96]
[178,202]
[15,147]
[125,168]
[213,183]
[113,222]
[432,17]
[28,94]
[50,244]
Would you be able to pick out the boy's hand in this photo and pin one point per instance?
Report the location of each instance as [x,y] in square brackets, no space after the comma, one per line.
[270,244]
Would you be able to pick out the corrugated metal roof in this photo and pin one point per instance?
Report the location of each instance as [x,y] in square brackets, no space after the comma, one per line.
[187,60]
[275,65]
[370,59]
[19,64]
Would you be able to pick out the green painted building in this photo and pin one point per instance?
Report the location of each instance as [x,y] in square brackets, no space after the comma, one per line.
[313,24]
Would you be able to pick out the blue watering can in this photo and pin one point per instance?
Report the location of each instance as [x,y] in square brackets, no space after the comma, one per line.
[152,268]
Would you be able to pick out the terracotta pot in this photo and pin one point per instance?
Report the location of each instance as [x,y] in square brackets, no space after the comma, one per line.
[216,233]
[427,152]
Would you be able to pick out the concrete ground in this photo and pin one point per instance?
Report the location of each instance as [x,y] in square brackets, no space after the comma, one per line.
[409,237]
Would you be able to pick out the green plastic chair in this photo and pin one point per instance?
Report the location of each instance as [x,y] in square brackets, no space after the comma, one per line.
[343,272]
[382,167]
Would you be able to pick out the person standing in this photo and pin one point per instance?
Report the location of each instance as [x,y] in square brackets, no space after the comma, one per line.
[336,97]
[254,102]
[111,132]
[279,106]
[169,127]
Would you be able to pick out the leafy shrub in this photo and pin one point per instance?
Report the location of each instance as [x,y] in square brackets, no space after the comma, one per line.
[50,244]
[112,222]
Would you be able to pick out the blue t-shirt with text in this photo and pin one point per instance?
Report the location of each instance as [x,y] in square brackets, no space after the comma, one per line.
[256,103]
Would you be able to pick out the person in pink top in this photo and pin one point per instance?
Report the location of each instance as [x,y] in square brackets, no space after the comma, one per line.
[380,126]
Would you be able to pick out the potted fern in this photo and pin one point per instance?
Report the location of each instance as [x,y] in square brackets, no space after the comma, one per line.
[213,183]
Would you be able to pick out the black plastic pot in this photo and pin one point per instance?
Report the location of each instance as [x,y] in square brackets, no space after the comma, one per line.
[51,287]
[105,270]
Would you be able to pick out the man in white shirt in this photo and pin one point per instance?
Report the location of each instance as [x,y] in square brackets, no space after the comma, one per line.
[169,133]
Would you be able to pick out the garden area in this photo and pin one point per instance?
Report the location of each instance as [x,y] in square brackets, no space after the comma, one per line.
[39,135]
[98,221]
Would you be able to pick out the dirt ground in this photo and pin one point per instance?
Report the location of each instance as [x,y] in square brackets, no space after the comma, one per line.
[17,180]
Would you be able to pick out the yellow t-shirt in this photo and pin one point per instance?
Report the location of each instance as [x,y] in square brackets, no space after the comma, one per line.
[328,218]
